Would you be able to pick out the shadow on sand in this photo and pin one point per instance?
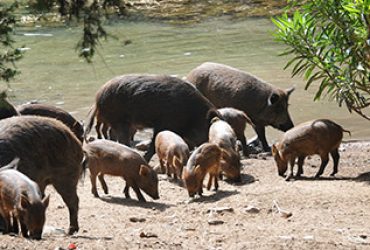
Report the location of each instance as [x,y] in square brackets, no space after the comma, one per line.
[134,203]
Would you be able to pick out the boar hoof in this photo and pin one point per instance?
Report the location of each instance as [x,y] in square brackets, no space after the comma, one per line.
[333,174]
[72,230]
[288,178]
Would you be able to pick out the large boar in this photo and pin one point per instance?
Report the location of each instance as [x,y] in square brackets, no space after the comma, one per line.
[49,154]
[225,86]
[204,159]
[238,121]
[172,151]
[47,110]
[111,158]
[314,137]
[21,198]
[221,134]
[129,102]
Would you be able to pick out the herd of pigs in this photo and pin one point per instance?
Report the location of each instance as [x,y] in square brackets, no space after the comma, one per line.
[198,129]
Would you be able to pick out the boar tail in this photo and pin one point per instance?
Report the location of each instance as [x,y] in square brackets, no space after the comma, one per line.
[347,131]
[90,121]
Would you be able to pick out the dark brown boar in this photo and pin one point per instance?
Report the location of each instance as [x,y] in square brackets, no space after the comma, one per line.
[111,158]
[204,159]
[238,121]
[47,110]
[221,134]
[172,151]
[49,154]
[128,102]
[313,137]
[225,86]
[21,198]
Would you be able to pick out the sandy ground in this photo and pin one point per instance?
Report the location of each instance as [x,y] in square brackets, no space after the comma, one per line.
[329,213]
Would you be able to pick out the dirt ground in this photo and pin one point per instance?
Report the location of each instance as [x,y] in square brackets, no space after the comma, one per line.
[329,213]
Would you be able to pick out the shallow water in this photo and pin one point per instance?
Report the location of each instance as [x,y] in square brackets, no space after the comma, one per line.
[53,73]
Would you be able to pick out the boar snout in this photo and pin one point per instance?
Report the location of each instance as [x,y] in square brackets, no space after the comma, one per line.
[286,126]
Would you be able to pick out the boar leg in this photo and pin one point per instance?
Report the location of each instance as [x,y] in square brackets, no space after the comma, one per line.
[15,227]
[324,162]
[300,165]
[103,183]
[6,217]
[97,129]
[151,150]
[68,192]
[94,191]
[126,191]
[260,130]
[24,229]
[291,168]
[243,141]
[335,156]
[209,181]
[138,193]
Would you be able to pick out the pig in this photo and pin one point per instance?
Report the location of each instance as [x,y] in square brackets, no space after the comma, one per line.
[221,134]
[320,137]
[204,159]
[49,154]
[238,121]
[161,102]
[21,198]
[6,108]
[225,86]
[53,112]
[172,151]
[112,158]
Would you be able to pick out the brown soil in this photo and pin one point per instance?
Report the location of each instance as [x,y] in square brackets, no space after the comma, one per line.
[329,213]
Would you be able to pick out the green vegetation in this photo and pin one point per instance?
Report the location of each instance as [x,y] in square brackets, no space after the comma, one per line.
[330,44]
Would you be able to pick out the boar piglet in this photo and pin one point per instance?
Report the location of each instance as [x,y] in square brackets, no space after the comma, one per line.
[221,134]
[111,158]
[238,121]
[21,198]
[204,159]
[314,137]
[172,151]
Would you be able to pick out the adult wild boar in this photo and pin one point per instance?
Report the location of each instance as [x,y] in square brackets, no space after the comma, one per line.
[313,137]
[172,151]
[111,158]
[49,153]
[161,102]
[225,86]
[47,110]
[221,134]
[203,160]
[21,198]
[238,121]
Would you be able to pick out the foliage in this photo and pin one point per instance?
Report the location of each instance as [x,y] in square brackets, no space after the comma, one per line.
[8,54]
[330,44]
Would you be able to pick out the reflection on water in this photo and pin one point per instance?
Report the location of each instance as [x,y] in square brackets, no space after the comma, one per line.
[52,72]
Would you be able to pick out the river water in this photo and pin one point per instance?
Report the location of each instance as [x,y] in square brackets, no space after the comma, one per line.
[53,73]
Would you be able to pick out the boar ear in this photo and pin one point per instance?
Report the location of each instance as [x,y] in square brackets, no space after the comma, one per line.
[197,168]
[272,99]
[289,91]
[144,170]
[24,202]
[274,149]
[212,113]
[45,201]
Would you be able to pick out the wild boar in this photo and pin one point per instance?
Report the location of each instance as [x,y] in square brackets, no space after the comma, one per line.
[204,159]
[108,157]
[21,198]
[51,111]
[221,134]
[320,137]
[225,86]
[49,154]
[128,102]
[172,151]
[238,121]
